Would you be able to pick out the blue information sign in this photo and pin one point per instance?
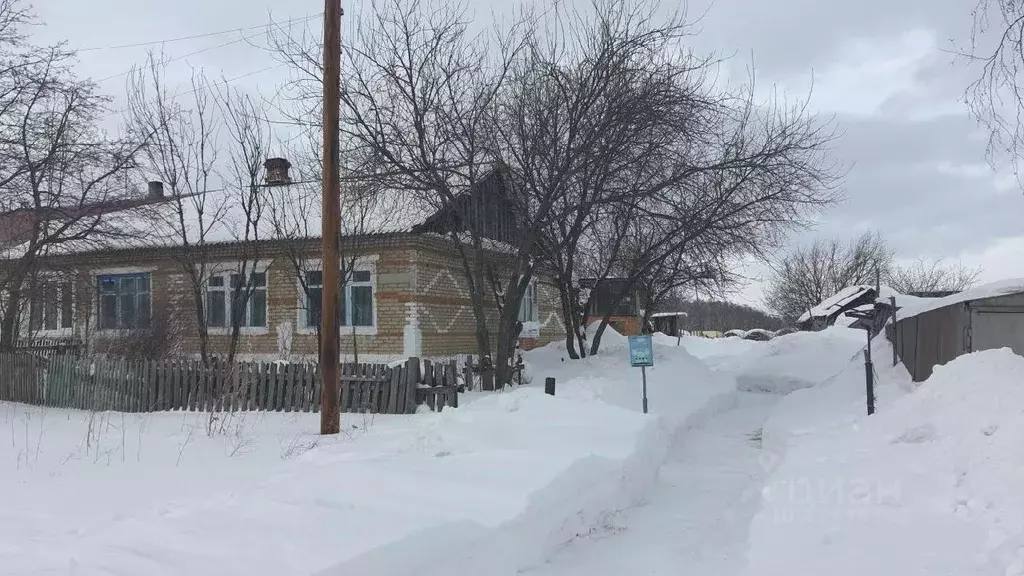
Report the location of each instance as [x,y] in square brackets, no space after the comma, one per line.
[641,352]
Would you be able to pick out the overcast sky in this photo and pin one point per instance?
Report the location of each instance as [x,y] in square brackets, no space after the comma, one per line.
[917,167]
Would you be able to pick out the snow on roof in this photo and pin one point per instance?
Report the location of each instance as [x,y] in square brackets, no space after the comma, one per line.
[833,304]
[912,305]
[846,321]
[668,314]
[294,214]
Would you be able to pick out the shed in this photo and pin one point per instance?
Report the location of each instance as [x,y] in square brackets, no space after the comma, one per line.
[825,314]
[669,323]
[934,331]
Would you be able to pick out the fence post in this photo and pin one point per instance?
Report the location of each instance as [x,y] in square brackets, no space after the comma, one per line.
[468,370]
[549,386]
[451,375]
[412,383]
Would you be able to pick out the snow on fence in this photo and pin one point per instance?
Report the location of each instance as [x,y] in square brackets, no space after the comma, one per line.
[161,385]
[51,346]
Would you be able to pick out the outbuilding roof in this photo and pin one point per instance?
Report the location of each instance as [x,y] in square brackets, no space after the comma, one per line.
[912,305]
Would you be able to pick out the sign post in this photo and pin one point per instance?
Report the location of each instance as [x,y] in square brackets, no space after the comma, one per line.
[641,354]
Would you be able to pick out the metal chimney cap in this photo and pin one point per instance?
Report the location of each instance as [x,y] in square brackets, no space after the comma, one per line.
[277,171]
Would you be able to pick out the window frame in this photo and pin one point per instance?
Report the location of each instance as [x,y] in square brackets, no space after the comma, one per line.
[62,281]
[225,271]
[98,275]
[361,264]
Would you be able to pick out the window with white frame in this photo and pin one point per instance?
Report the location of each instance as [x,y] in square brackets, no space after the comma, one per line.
[123,301]
[51,305]
[230,298]
[528,305]
[356,306]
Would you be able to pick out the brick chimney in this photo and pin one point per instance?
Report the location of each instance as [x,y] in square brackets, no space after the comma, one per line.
[277,172]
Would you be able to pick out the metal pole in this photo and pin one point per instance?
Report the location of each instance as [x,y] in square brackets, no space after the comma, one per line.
[643,372]
[869,374]
[895,335]
[330,341]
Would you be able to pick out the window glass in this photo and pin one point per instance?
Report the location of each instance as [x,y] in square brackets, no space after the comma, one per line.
[362,305]
[123,301]
[215,317]
[314,297]
[67,306]
[247,301]
[355,306]
[528,305]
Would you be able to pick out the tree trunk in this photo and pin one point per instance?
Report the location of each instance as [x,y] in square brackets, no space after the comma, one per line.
[569,318]
[9,326]
[596,344]
[204,332]
[509,328]
[475,282]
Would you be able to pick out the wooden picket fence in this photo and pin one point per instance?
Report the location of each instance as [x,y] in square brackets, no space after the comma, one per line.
[152,386]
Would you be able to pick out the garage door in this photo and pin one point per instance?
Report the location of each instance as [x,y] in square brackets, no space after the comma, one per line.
[991,328]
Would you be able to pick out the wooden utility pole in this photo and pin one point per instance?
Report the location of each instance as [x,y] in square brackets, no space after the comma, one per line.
[330,414]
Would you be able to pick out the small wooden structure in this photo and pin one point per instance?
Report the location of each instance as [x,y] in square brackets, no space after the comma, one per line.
[670,323]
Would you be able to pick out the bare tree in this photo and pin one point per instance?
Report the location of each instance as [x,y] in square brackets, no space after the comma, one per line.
[415,98]
[295,213]
[209,151]
[716,315]
[931,276]
[995,98]
[249,137]
[803,278]
[183,155]
[64,182]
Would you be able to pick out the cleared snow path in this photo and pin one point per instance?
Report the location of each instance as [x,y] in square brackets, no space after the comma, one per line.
[696,519]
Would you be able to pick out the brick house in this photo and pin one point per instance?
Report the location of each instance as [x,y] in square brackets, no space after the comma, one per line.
[406,296]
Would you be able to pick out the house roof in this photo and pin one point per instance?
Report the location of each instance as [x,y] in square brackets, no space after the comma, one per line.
[836,302]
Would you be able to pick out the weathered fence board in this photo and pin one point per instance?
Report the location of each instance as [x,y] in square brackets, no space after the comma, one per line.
[86,383]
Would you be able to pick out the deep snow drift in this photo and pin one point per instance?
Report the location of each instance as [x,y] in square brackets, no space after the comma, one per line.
[931,484]
[782,364]
[490,488]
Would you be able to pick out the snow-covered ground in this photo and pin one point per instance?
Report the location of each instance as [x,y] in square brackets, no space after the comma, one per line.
[695,521]
[929,485]
[492,487]
[757,460]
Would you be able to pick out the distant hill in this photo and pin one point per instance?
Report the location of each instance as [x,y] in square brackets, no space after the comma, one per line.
[722,316]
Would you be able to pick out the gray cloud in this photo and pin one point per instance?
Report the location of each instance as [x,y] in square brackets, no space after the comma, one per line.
[916,159]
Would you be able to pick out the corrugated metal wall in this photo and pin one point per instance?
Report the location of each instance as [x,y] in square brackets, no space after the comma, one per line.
[998,323]
[938,336]
[930,338]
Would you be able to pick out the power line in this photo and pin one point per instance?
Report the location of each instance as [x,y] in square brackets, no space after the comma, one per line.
[193,37]
[207,49]
[224,82]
